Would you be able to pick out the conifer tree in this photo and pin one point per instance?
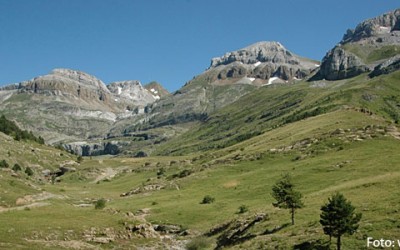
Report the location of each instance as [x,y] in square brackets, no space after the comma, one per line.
[338,217]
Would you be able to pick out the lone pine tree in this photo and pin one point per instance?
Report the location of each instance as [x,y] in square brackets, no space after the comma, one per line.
[285,195]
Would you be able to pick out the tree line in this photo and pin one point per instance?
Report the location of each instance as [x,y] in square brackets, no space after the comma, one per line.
[11,128]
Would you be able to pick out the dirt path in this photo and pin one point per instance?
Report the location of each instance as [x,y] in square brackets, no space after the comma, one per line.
[31,201]
[32,205]
[107,173]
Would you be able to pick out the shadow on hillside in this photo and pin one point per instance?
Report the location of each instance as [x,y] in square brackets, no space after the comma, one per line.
[312,245]
[276,229]
[236,231]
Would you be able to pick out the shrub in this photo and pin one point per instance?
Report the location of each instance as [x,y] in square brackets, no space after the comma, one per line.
[4,164]
[100,204]
[198,243]
[16,167]
[243,209]
[29,171]
[207,199]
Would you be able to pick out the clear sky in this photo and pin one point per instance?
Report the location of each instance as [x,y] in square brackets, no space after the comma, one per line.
[169,41]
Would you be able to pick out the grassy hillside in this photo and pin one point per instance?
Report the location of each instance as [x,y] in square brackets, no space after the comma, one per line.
[275,106]
[370,53]
[330,136]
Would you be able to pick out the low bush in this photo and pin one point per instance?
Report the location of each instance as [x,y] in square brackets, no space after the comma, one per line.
[207,200]
[100,204]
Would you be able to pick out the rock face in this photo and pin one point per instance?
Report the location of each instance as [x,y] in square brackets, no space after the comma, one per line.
[132,93]
[374,27]
[263,60]
[70,84]
[69,105]
[363,48]
[341,64]
[92,149]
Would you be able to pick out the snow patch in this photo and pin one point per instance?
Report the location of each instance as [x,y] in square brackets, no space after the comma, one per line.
[317,65]
[256,64]
[156,97]
[251,79]
[272,79]
[384,29]
[153,90]
[119,90]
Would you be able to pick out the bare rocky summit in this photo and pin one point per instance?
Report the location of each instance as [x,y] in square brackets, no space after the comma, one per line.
[263,61]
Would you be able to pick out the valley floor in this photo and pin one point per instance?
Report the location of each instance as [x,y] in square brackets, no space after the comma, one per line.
[155,202]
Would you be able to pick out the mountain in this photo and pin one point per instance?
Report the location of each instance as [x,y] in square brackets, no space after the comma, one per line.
[69,105]
[263,63]
[225,140]
[228,78]
[156,89]
[373,43]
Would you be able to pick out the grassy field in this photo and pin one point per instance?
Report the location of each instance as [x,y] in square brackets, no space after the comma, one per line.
[350,145]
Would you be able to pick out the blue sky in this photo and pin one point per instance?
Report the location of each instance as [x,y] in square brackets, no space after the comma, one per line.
[169,41]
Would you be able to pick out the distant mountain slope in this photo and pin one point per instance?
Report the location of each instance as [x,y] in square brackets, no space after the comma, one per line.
[69,105]
[271,107]
[227,79]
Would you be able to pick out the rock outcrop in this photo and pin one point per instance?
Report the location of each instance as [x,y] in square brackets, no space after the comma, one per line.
[341,64]
[92,148]
[389,66]
[381,25]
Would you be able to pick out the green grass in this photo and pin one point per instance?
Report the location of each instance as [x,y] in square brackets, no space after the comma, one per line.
[370,54]
[318,151]
[369,181]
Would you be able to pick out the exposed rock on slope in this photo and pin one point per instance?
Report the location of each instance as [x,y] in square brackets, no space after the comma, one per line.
[341,64]
[131,93]
[387,67]
[68,105]
[70,84]
[374,27]
[363,48]
[262,61]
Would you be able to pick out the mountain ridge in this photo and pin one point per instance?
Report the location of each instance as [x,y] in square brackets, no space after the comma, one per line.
[368,45]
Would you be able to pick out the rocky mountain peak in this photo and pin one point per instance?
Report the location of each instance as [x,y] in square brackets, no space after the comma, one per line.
[381,25]
[131,91]
[80,77]
[156,88]
[263,52]
[262,63]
